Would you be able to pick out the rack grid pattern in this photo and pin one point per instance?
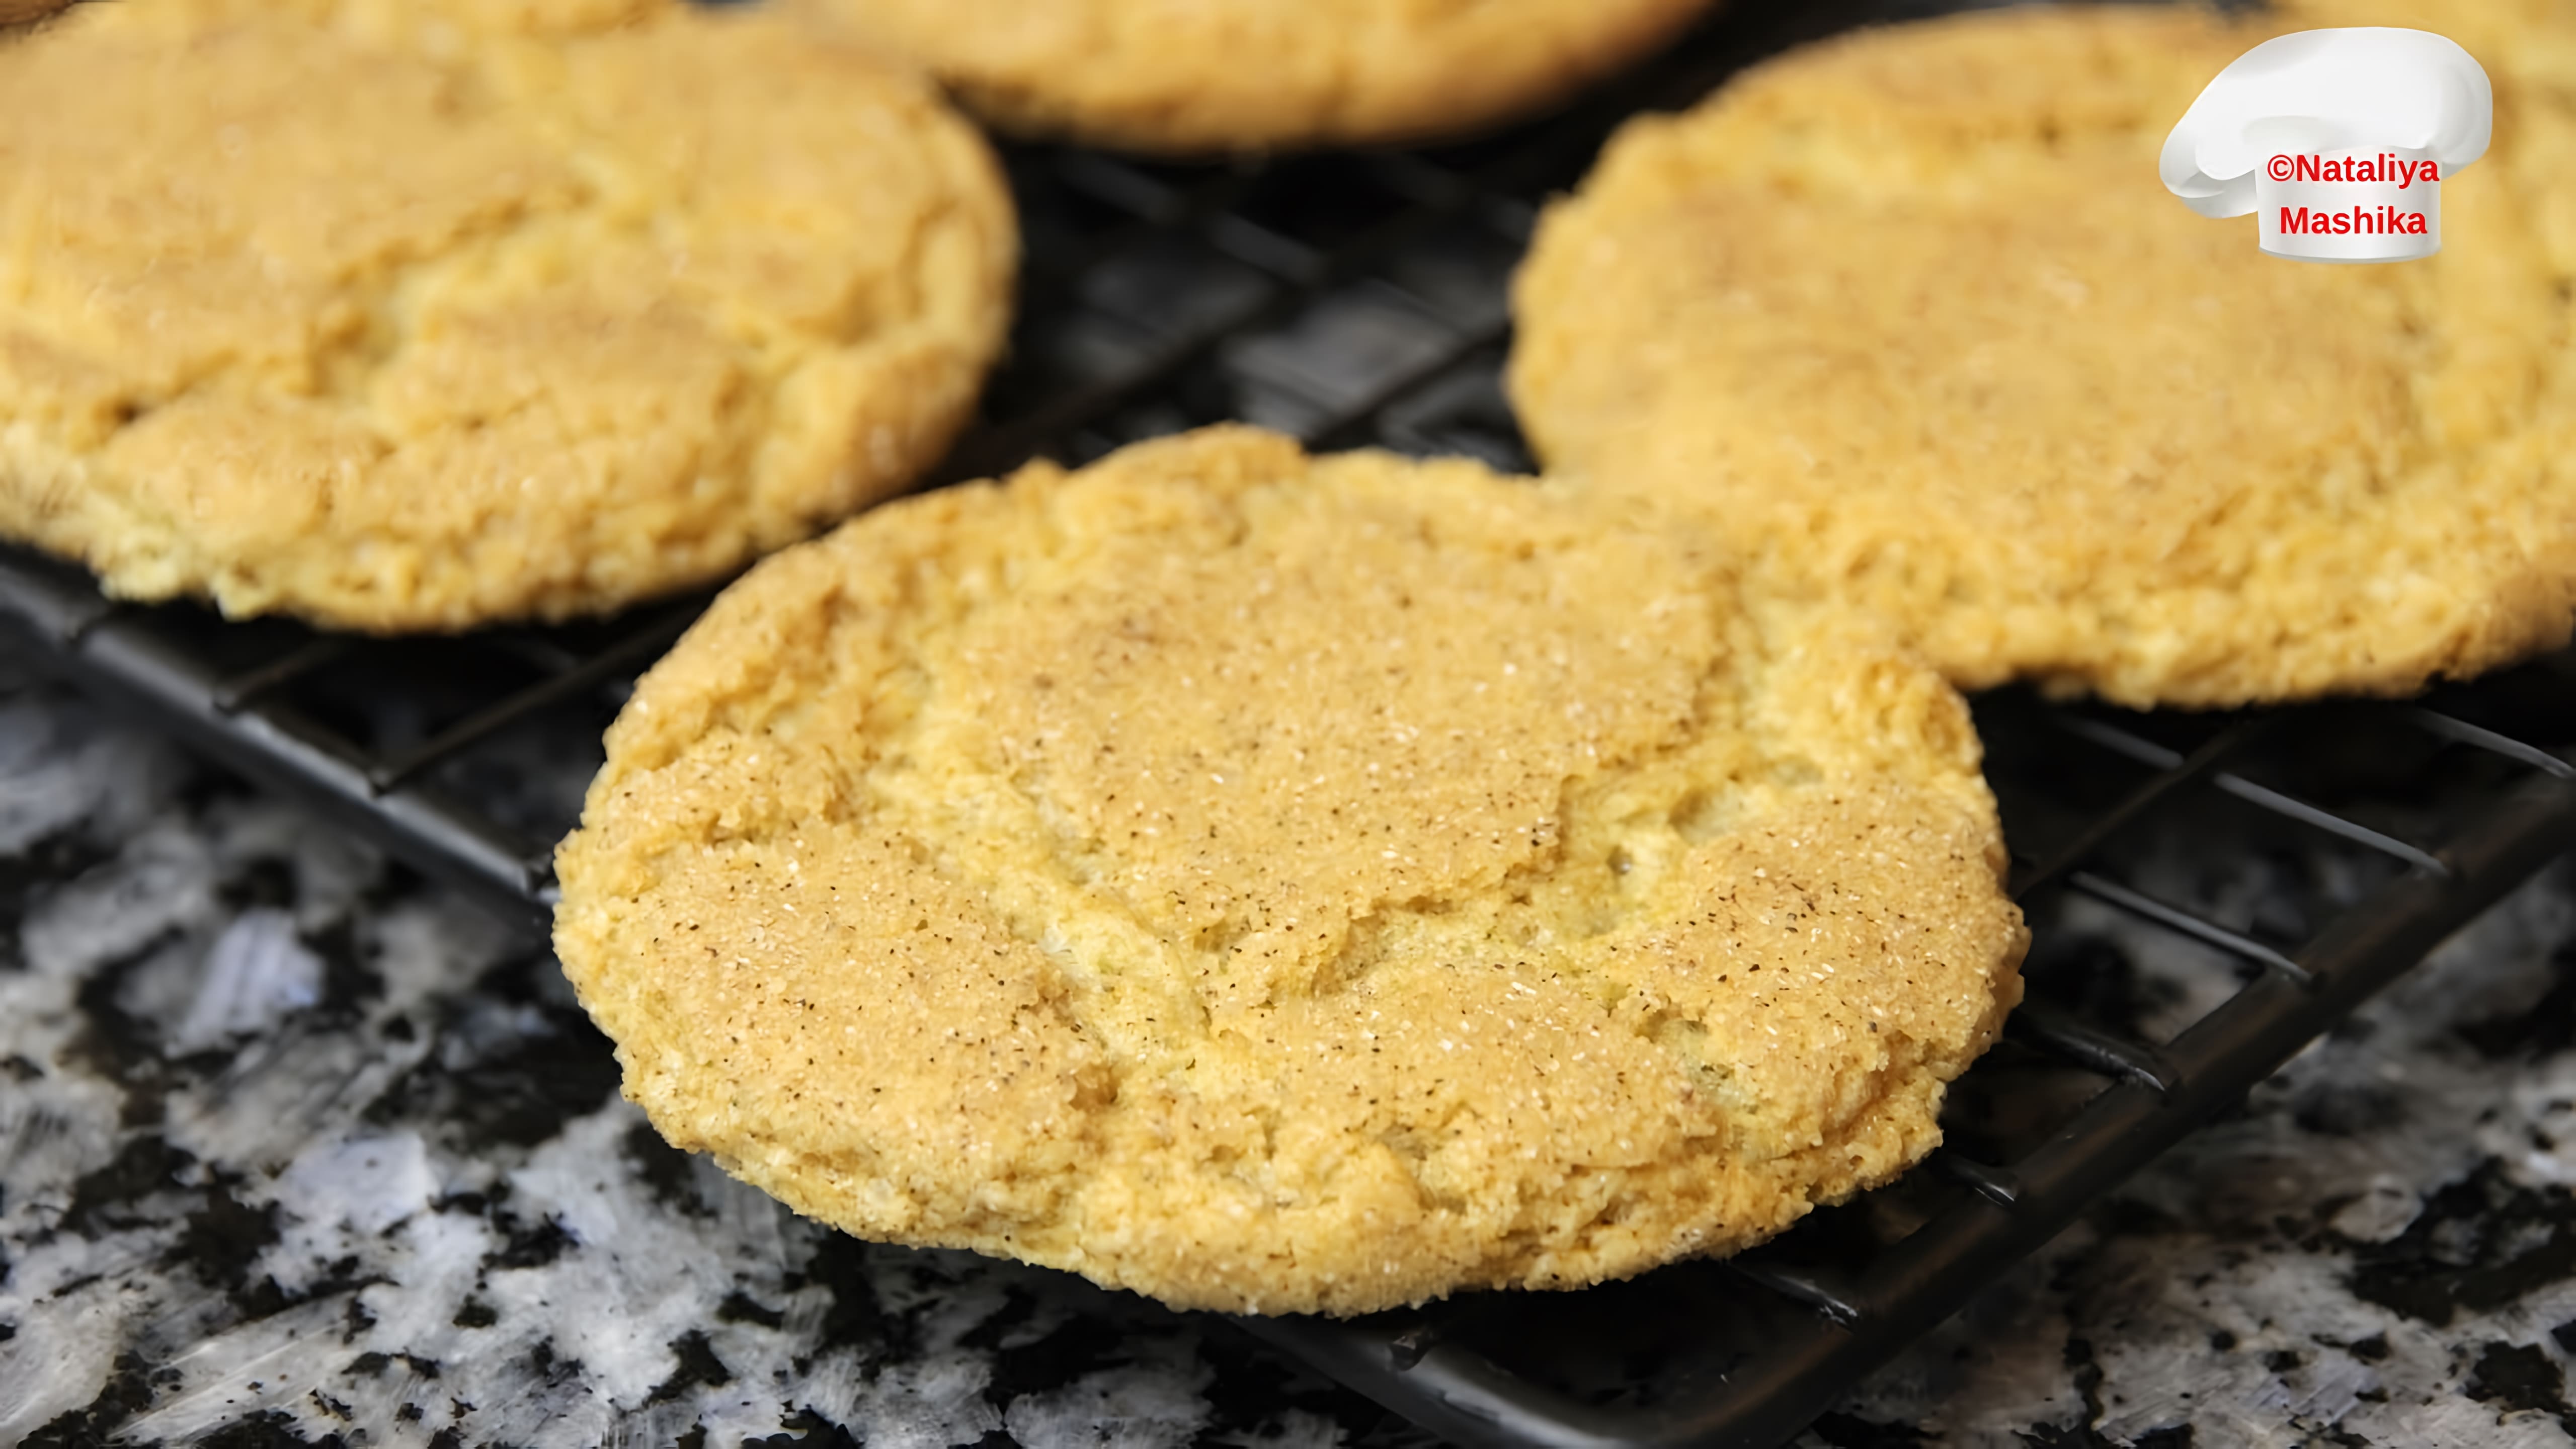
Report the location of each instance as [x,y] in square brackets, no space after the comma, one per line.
[1359,299]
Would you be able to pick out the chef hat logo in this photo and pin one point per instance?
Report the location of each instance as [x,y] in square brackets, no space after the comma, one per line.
[2339,139]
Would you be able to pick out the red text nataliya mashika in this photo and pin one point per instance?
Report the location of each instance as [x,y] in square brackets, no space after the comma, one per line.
[2380,168]
[2357,221]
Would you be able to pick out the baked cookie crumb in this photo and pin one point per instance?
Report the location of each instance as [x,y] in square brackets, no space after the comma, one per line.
[1286,884]
[536,310]
[1910,317]
[1218,76]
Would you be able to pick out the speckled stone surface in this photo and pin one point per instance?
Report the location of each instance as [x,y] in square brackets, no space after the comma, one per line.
[296,1149]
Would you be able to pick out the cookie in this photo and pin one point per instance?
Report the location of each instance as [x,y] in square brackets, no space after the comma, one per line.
[535,310]
[1278,884]
[19,12]
[1249,75]
[1910,316]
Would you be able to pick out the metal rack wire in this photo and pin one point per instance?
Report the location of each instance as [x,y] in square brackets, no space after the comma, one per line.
[1359,299]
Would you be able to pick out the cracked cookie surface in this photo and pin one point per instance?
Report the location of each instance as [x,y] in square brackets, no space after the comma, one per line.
[1281,884]
[1249,75]
[404,316]
[1909,315]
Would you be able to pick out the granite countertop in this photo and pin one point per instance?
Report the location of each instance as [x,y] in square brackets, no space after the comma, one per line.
[296,1148]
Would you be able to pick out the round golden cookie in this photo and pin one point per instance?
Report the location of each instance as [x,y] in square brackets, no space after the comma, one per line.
[1911,316]
[1245,75]
[532,309]
[1280,884]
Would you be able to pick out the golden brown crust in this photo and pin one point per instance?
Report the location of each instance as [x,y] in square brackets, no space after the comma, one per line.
[1242,75]
[1276,884]
[20,12]
[1909,314]
[541,307]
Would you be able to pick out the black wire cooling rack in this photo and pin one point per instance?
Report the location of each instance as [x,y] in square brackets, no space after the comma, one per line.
[1359,298]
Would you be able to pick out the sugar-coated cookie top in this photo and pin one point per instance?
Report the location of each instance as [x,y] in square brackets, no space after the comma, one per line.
[1911,315]
[1283,884]
[1250,75]
[406,315]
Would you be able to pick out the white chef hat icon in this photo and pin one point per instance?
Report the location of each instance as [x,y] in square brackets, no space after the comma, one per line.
[2338,138]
